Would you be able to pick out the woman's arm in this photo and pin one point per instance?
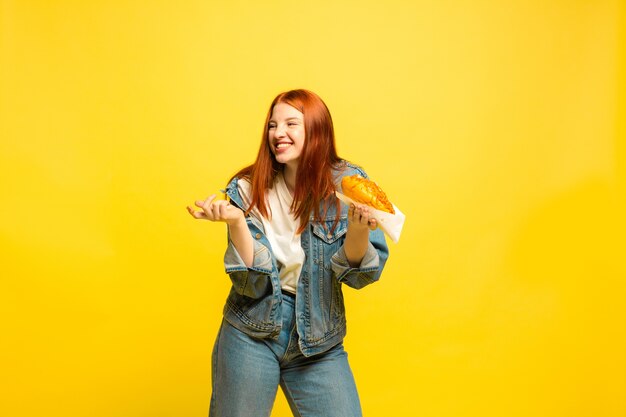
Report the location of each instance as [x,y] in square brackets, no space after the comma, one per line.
[223,211]
[242,239]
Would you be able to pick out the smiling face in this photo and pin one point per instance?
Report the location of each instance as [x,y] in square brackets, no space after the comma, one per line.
[286,134]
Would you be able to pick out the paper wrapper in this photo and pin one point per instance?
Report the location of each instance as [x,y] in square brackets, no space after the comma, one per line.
[389,223]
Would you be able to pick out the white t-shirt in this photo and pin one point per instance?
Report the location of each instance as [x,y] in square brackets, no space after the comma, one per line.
[280,230]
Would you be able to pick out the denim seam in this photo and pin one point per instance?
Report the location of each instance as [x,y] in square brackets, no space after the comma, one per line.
[329,335]
[268,326]
[244,269]
[291,332]
[287,392]
[214,363]
[357,168]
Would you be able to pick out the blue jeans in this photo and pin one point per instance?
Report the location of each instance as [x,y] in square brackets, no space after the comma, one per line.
[247,371]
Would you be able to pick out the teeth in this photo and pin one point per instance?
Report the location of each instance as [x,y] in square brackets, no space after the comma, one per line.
[282,145]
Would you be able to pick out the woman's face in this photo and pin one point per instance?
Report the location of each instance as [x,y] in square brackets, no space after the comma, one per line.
[286,134]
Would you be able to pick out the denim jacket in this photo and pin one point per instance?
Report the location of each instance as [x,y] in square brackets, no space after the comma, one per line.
[254,302]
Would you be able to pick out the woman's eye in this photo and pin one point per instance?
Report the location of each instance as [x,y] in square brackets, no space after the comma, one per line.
[291,124]
[271,127]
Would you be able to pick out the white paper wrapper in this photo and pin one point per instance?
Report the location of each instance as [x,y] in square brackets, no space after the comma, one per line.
[389,223]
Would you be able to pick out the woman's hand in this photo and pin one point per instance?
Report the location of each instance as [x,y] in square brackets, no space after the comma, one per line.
[223,211]
[360,217]
[360,223]
[217,211]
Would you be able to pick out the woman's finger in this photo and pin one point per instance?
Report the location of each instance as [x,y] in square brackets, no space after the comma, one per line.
[365,215]
[224,209]
[196,214]
[356,213]
[206,206]
[202,203]
[215,209]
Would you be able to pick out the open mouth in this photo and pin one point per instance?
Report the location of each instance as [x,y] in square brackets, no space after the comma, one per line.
[283,145]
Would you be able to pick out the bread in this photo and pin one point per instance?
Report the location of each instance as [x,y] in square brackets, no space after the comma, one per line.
[367,192]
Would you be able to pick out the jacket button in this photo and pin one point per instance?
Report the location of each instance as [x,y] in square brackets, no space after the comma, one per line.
[330,235]
[258,235]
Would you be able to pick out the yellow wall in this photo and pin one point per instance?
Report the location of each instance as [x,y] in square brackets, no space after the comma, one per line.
[497,127]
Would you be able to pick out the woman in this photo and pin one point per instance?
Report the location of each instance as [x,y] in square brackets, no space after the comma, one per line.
[291,246]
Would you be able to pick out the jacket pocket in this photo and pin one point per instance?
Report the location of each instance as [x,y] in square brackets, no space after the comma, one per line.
[323,230]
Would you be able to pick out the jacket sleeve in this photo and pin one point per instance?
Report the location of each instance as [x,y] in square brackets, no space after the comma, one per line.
[371,266]
[254,281]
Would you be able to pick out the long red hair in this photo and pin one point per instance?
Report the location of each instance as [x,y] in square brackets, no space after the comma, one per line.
[314,178]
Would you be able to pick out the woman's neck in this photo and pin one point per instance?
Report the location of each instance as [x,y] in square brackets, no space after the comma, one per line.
[289,173]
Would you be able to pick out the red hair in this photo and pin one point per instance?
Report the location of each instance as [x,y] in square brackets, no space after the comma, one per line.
[314,178]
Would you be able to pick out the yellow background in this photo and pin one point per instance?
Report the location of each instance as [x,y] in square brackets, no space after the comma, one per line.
[497,127]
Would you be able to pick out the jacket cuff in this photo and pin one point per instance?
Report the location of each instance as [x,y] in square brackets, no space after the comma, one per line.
[341,267]
[262,261]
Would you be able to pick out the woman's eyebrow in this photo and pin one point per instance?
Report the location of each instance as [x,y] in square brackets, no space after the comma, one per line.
[287,120]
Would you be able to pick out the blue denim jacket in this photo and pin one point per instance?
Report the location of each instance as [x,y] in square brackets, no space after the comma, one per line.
[253,304]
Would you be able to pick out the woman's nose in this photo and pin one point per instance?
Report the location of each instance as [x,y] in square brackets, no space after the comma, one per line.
[280,131]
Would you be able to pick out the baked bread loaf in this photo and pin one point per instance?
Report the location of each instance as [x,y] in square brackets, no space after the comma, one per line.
[367,192]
